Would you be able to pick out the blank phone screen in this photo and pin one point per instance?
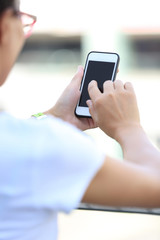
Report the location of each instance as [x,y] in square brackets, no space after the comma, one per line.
[99,71]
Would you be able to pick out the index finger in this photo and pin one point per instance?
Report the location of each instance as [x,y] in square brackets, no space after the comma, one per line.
[93,90]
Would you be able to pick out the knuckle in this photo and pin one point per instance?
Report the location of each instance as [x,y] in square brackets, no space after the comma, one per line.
[108,83]
[110,95]
[118,81]
[98,102]
[128,84]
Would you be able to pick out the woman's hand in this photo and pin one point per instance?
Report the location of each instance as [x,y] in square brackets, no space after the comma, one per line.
[66,104]
[115,110]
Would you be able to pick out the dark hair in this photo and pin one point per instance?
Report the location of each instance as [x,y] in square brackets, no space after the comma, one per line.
[4,4]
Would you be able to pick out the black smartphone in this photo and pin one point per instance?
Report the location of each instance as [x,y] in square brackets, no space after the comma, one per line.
[100,66]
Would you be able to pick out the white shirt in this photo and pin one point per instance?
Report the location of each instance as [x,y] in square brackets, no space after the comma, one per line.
[45,168]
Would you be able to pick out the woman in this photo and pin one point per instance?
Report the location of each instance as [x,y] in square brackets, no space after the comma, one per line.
[50,166]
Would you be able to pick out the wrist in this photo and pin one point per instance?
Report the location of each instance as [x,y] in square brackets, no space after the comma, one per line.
[39,116]
[125,133]
[50,112]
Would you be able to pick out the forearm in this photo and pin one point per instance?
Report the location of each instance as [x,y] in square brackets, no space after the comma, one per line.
[124,184]
[136,181]
[137,148]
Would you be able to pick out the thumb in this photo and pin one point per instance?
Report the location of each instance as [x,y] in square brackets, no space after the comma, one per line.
[78,76]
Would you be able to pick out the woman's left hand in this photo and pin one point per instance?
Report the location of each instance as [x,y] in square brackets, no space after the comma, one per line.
[66,104]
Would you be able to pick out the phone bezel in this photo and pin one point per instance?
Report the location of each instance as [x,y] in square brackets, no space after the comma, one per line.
[81,111]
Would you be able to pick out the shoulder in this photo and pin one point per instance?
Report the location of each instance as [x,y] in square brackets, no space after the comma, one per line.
[47,127]
[46,134]
[48,149]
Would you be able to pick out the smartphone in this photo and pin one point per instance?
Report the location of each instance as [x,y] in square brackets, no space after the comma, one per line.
[100,66]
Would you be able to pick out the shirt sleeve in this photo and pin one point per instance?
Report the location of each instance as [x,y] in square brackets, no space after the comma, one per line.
[66,163]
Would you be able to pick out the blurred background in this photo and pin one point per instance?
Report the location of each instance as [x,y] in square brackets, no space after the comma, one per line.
[63,35]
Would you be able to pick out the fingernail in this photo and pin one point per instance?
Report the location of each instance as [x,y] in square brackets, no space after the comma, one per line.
[89,103]
[79,68]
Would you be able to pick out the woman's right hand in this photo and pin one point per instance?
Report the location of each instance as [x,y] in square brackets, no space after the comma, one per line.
[115,110]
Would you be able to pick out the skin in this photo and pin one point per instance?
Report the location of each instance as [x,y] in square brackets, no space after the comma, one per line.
[134,182]
[9,48]
[65,106]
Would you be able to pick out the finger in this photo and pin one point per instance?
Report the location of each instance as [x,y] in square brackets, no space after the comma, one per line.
[93,90]
[108,86]
[73,88]
[80,70]
[91,107]
[90,104]
[128,86]
[78,76]
[118,85]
